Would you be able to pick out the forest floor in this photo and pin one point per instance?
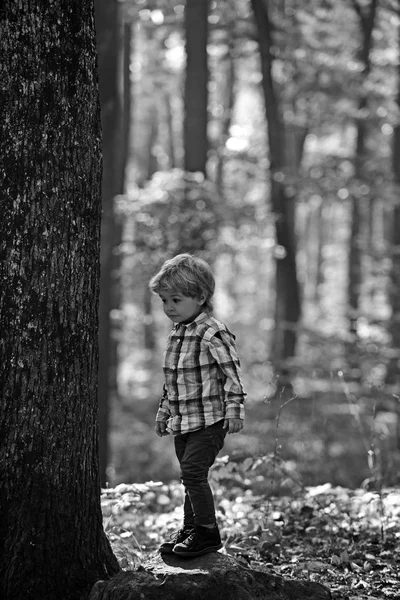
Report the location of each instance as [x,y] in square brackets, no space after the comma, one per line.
[348,540]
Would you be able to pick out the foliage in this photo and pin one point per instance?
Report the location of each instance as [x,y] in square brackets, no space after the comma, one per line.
[175,212]
[318,72]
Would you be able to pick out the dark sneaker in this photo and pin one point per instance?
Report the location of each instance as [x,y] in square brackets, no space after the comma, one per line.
[176,538]
[201,540]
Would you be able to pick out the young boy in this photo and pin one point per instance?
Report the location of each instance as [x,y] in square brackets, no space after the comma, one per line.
[203,394]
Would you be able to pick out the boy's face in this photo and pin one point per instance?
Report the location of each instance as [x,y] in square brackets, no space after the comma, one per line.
[180,308]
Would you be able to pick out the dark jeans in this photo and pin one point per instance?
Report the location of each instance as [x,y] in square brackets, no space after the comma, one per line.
[196,452]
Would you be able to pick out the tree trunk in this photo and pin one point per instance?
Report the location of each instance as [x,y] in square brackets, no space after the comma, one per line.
[313,241]
[148,328]
[393,374]
[321,239]
[354,265]
[228,105]
[108,46]
[152,135]
[168,110]
[52,543]
[196,90]
[287,308]
[149,341]
[126,95]
[367,21]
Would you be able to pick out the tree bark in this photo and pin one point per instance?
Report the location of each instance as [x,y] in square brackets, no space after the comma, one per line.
[52,543]
[196,86]
[287,307]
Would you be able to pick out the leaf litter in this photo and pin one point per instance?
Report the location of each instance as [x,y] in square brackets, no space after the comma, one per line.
[348,540]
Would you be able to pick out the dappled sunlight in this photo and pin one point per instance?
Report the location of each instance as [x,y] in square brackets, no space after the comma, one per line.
[262,137]
[349,539]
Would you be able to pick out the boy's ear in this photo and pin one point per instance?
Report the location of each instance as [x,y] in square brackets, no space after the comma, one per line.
[201,299]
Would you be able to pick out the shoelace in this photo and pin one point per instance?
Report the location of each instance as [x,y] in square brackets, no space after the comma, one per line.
[176,534]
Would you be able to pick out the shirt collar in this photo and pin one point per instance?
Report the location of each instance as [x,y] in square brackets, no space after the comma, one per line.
[203,316]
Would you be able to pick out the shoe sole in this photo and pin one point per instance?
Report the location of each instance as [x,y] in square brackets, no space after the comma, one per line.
[199,552]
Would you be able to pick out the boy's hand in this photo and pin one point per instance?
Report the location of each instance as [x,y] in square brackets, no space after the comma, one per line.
[161,428]
[233,425]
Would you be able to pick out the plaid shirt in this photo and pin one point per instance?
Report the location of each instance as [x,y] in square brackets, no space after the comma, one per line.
[202,376]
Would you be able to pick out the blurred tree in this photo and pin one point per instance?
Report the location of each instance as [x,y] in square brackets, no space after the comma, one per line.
[228,102]
[171,147]
[113,46]
[393,373]
[152,116]
[366,15]
[196,86]
[194,199]
[174,213]
[148,329]
[157,90]
[287,304]
[174,207]
[125,92]
[52,543]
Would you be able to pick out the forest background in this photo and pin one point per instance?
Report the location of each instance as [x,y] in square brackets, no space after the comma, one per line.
[265,138]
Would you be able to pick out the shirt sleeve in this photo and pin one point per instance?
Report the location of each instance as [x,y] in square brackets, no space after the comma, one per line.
[163,412]
[223,349]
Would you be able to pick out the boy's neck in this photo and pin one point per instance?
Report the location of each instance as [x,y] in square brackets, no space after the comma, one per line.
[193,318]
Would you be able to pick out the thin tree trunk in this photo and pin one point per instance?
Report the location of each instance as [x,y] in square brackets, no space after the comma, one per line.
[170,130]
[354,264]
[367,22]
[287,309]
[313,240]
[229,88]
[320,232]
[52,543]
[148,323]
[196,86]
[108,45]
[149,335]
[152,162]
[393,374]
[125,93]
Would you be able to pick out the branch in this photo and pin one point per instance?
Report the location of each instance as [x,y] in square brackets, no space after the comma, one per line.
[367,18]
[357,8]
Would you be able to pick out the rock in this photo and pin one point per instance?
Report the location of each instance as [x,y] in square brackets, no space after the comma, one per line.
[211,577]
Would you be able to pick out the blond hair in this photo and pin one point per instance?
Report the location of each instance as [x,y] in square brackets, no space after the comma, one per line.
[187,274]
